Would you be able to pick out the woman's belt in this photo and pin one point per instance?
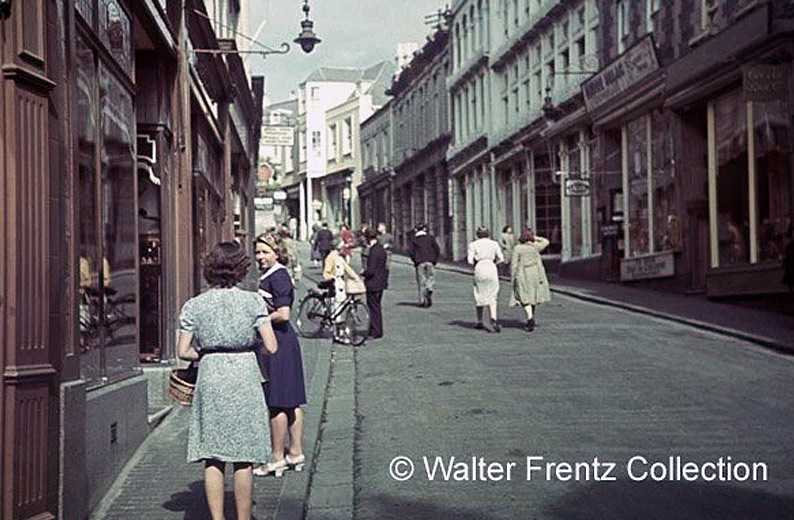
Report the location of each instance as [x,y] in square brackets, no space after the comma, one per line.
[226,350]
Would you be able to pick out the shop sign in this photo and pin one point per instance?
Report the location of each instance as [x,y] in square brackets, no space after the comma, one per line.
[280,195]
[647,266]
[278,135]
[762,82]
[630,68]
[610,230]
[577,187]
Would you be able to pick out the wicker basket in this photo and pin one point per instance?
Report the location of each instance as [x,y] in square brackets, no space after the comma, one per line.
[181,385]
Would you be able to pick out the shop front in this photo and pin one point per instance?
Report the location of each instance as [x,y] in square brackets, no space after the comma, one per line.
[738,118]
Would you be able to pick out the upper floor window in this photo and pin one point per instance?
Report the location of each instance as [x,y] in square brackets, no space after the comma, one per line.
[622,8]
[651,8]
[315,93]
[708,9]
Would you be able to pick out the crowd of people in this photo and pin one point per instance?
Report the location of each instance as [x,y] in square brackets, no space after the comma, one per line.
[249,392]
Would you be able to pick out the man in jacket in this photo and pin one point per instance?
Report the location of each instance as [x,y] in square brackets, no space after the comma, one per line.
[386,239]
[424,253]
[323,241]
[375,279]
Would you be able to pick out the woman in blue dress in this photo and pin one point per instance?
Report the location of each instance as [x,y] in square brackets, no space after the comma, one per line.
[284,390]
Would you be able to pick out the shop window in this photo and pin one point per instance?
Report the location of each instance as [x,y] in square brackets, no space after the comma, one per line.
[573,168]
[637,142]
[773,175]
[666,224]
[547,205]
[733,208]
[107,222]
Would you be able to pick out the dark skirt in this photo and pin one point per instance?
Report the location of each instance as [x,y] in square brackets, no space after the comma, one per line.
[284,370]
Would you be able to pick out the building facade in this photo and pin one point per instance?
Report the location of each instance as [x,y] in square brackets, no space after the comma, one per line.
[122,157]
[421,136]
[377,148]
[326,89]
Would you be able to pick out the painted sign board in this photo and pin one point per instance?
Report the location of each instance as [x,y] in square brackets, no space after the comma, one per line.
[657,265]
[278,135]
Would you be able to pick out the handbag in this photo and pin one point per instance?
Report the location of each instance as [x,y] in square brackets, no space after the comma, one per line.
[182,384]
[354,285]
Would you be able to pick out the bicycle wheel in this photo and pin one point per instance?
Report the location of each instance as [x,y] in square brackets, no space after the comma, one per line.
[311,314]
[357,323]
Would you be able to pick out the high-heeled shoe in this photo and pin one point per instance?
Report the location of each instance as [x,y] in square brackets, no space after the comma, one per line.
[271,468]
[296,463]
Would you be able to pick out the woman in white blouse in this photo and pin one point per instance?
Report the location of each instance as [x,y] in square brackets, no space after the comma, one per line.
[484,254]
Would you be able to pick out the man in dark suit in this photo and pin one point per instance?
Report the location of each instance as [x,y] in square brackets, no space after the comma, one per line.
[323,241]
[375,278]
[424,252]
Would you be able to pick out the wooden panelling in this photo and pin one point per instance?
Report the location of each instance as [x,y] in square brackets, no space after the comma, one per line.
[30,404]
[30,30]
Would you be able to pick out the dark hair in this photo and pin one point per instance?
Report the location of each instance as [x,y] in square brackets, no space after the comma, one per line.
[276,244]
[226,265]
[482,232]
[370,233]
[527,235]
[504,229]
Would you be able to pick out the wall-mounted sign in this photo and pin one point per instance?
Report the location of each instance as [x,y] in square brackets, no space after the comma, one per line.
[577,187]
[278,135]
[280,195]
[647,266]
[627,70]
[762,82]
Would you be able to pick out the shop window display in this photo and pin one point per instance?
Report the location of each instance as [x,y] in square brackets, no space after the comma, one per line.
[774,177]
[666,225]
[637,209]
[733,211]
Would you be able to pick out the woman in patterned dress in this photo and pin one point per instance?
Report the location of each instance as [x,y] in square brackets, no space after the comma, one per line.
[220,328]
[285,390]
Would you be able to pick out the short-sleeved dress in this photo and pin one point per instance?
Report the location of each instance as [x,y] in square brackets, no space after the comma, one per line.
[228,419]
[284,387]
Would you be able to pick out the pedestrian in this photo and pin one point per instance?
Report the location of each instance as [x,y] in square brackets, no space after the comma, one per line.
[315,254]
[385,239]
[788,259]
[348,242]
[375,277]
[530,284]
[337,269]
[285,391]
[219,327]
[424,252]
[484,254]
[291,259]
[361,239]
[324,240]
[507,241]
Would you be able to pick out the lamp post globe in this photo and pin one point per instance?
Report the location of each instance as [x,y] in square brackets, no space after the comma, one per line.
[307,39]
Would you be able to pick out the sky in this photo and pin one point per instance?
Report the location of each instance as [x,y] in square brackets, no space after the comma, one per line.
[354,33]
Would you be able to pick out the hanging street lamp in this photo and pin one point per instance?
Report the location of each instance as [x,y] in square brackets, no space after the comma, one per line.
[307,39]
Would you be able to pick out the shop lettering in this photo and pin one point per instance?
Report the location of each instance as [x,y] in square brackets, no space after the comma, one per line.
[656,266]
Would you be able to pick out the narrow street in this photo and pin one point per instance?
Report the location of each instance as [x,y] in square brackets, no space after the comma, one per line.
[592,385]
[590,382]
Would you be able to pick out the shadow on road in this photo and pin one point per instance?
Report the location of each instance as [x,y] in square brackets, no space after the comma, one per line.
[463,324]
[410,304]
[193,502]
[665,500]
[401,507]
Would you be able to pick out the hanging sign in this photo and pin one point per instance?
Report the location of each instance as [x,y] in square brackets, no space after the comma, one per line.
[577,187]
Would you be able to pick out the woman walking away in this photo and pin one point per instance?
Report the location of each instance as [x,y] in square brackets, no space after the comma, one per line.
[285,391]
[220,328]
[484,254]
[507,241]
[530,285]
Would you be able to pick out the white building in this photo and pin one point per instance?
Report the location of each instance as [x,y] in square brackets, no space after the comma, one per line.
[323,90]
[512,59]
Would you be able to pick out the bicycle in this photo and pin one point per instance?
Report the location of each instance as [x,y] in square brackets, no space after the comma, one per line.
[318,313]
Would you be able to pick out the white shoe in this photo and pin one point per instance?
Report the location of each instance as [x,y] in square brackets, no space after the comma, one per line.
[271,468]
[296,463]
